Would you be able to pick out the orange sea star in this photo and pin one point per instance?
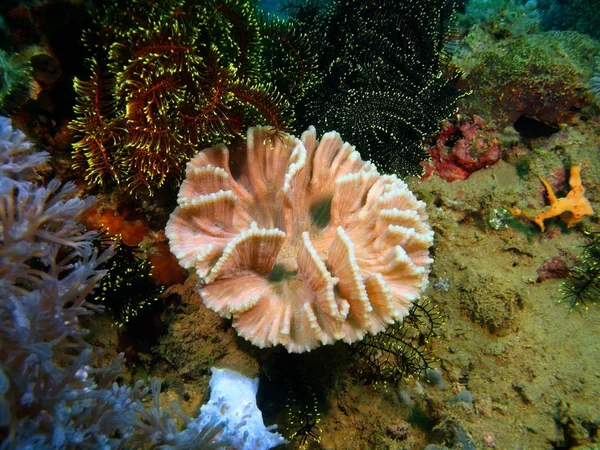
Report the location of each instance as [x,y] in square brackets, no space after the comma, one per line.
[575,205]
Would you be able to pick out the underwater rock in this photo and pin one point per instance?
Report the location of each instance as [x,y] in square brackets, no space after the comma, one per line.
[487,301]
[544,76]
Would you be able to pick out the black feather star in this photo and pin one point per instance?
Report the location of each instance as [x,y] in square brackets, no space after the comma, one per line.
[380,77]
[127,288]
[583,283]
[402,350]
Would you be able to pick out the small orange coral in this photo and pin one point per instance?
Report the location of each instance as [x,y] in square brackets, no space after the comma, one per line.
[571,208]
[306,246]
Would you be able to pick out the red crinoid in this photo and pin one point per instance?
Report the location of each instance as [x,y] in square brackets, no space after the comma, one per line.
[171,76]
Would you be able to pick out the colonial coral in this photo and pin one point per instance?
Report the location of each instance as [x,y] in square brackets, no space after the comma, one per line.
[306,245]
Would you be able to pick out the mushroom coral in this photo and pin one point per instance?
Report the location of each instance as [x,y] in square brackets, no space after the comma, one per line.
[306,245]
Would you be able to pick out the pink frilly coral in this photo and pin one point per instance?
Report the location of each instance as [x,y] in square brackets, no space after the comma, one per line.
[306,245]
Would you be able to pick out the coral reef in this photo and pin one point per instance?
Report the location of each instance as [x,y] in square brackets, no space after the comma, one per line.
[514,368]
[168,78]
[380,75]
[233,396]
[462,148]
[230,419]
[308,222]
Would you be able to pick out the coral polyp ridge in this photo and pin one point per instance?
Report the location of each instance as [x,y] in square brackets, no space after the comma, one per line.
[307,246]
